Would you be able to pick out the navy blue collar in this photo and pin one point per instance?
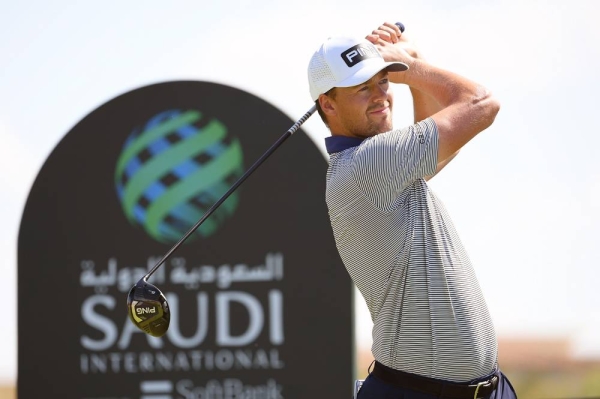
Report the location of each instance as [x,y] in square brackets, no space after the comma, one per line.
[340,143]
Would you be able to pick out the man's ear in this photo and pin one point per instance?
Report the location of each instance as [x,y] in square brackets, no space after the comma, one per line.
[327,105]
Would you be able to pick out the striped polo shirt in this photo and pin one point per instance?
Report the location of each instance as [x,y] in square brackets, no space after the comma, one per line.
[401,250]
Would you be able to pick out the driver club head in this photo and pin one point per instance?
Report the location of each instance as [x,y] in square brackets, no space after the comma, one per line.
[148,309]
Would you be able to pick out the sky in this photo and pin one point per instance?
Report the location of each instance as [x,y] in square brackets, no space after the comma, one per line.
[523,194]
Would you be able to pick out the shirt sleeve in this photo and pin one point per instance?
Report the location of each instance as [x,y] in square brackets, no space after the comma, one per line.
[385,164]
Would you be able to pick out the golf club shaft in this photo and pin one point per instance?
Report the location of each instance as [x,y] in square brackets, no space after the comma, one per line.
[256,164]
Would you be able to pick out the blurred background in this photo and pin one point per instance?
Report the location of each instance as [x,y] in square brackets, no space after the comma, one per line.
[523,194]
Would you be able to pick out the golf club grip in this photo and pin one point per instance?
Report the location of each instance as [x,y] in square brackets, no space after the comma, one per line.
[400,25]
[256,164]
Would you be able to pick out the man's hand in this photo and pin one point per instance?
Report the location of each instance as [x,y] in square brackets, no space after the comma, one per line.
[394,45]
[390,33]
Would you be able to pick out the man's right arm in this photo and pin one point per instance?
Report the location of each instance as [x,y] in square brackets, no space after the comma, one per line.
[467,108]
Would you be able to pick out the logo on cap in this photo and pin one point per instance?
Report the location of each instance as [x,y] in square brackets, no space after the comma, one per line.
[358,53]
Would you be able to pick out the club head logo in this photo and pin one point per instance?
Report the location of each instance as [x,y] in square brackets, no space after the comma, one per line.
[145,310]
[173,169]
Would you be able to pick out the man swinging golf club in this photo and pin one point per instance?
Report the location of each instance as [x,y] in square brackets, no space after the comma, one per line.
[433,336]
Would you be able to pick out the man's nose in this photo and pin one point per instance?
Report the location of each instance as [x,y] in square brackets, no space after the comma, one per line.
[379,93]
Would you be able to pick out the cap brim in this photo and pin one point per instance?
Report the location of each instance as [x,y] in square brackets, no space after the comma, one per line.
[367,72]
[397,66]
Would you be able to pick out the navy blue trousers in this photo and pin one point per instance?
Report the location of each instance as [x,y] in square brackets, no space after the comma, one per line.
[374,388]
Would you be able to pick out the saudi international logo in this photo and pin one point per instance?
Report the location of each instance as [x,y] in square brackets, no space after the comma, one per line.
[174,168]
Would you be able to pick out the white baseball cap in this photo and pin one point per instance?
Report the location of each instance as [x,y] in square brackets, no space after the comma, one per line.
[345,62]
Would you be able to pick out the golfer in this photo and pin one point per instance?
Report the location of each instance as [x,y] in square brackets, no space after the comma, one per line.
[433,336]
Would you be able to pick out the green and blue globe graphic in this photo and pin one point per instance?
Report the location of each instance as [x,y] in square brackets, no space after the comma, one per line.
[173,169]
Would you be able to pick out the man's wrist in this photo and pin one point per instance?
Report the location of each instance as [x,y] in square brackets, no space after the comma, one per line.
[417,55]
[414,66]
[410,49]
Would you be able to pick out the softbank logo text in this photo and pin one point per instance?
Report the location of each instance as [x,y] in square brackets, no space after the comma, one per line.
[358,53]
[230,388]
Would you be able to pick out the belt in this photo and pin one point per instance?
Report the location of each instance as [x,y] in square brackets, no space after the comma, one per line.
[432,386]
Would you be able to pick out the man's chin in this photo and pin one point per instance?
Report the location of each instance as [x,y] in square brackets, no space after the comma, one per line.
[374,130]
[385,127]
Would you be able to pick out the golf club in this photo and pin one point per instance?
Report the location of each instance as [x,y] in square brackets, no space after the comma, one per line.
[147,306]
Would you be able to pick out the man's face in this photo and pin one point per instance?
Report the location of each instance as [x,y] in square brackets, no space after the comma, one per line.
[363,110]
